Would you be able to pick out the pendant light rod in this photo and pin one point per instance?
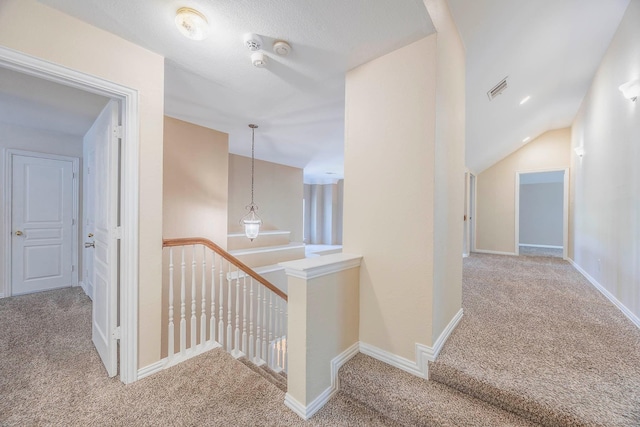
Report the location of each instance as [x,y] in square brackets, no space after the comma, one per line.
[253,131]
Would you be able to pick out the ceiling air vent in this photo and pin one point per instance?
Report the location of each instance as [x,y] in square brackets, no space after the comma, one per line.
[497,89]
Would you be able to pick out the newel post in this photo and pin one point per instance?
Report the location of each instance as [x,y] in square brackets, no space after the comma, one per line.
[323,327]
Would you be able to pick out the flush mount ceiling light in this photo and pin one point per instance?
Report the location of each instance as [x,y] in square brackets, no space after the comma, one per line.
[527,139]
[631,89]
[191,23]
[251,221]
[525,100]
[281,47]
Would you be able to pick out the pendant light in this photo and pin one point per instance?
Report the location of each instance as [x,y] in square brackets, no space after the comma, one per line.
[251,220]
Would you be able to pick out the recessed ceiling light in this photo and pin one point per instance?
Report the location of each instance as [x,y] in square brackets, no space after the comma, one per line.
[525,100]
[191,23]
[527,139]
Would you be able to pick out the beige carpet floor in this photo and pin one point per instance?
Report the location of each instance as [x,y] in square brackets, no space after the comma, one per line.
[536,251]
[537,339]
[50,375]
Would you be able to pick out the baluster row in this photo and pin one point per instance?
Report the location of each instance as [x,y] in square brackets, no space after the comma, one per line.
[258,329]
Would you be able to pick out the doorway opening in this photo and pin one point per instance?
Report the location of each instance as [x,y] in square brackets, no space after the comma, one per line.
[115,309]
[542,213]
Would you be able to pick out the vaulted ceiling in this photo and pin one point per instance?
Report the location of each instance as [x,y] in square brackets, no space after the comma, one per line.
[548,49]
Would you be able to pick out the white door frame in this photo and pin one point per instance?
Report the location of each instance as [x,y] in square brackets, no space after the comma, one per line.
[128,100]
[565,209]
[473,209]
[8,203]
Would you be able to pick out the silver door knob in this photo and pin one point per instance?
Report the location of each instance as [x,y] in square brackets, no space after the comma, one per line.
[89,244]
[18,233]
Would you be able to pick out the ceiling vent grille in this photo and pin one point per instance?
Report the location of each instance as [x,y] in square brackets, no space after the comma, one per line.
[497,89]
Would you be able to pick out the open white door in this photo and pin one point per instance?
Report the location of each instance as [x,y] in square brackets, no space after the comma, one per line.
[101,171]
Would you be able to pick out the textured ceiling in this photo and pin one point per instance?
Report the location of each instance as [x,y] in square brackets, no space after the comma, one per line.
[40,104]
[549,49]
[298,100]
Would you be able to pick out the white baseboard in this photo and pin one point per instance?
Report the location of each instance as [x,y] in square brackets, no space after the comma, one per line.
[306,412]
[424,353]
[541,246]
[176,359]
[634,319]
[484,251]
[152,369]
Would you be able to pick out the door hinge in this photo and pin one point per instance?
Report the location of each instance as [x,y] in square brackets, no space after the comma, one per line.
[73,268]
[117,233]
[117,131]
[116,333]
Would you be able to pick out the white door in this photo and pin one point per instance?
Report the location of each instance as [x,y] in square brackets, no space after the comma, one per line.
[42,224]
[101,154]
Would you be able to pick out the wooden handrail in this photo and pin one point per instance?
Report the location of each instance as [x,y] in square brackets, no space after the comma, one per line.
[187,241]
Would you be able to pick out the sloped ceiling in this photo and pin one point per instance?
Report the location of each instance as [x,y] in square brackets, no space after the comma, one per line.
[550,51]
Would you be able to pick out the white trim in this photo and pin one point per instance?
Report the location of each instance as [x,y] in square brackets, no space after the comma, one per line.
[266,249]
[397,361]
[306,412]
[8,203]
[154,368]
[540,246]
[424,353]
[129,112]
[634,319]
[444,336]
[310,268]
[485,251]
[517,215]
[473,186]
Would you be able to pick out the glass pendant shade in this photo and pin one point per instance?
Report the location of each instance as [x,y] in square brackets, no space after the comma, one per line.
[251,222]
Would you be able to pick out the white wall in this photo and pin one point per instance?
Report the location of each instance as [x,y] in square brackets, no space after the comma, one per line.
[541,214]
[605,183]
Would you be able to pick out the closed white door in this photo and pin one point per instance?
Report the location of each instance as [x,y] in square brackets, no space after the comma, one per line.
[101,154]
[42,224]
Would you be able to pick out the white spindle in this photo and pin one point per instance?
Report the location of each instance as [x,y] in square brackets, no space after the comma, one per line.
[281,334]
[193,298]
[203,307]
[264,324]
[221,303]
[171,332]
[244,314]
[251,341]
[271,326]
[229,328]
[236,347]
[183,307]
[212,320]
[258,328]
[278,311]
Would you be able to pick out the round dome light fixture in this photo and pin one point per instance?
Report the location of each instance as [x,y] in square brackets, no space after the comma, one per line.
[191,23]
[281,47]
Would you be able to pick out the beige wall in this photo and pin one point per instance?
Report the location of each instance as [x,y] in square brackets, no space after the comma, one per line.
[495,215]
[390,147]
[195,182]
[605,183]
[314,339]
[323,213]
[64,40]
[278,194]
[448,205]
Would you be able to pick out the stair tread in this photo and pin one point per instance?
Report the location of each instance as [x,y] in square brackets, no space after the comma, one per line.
[267,373]
[410,400]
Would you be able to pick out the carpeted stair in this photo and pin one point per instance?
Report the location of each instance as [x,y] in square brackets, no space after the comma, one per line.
[279,379]
[412,401]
